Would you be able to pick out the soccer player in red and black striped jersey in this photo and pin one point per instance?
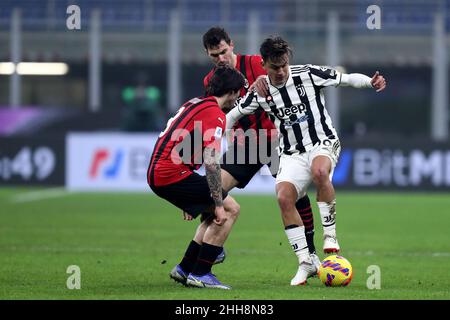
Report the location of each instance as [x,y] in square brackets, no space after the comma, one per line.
[194,131]
[220,49]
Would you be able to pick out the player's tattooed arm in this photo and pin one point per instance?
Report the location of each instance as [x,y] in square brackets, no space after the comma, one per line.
[213,175]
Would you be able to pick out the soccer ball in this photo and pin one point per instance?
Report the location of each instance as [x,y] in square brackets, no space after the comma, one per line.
[335,271]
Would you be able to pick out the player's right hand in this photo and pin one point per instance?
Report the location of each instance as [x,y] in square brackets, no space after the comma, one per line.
[221,216]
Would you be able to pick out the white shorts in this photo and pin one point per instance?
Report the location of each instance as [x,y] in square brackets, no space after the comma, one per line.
[296,168]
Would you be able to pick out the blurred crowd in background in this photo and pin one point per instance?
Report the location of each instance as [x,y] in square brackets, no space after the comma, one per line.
[136,41]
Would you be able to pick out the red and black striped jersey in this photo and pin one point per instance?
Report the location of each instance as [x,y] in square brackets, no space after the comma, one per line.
[251,67]
[199,123]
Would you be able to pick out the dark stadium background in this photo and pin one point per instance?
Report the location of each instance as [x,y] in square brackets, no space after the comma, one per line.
[132,64]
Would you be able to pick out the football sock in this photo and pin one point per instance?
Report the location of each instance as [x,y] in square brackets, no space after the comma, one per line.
[303,206]
[206,257]
[297,239]
[190,257]
[328,215]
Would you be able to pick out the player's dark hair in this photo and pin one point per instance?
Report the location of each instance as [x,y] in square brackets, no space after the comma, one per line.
[224,80]
[213,36]
[274,48]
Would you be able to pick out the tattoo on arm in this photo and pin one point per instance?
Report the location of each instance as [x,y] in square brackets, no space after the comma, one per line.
[213,175]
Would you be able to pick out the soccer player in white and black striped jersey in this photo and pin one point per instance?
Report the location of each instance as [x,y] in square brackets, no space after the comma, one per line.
[308,143]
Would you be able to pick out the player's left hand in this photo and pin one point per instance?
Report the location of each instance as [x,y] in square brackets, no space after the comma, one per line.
[378,81]
[261,86]
[187,216]
[221,216]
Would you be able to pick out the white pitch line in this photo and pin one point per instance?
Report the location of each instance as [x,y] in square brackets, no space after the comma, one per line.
[39,195]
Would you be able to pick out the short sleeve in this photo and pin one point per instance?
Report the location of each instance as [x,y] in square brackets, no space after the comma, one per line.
[324,76]
[213,127]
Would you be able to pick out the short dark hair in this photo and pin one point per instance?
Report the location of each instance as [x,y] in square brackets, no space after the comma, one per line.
[213,36]
[274,47]
[224,80]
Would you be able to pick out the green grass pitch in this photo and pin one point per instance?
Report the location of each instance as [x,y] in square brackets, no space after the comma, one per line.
[125,245]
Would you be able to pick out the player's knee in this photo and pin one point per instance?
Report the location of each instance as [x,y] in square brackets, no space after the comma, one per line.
[285,202]
[234,211]
[320,175]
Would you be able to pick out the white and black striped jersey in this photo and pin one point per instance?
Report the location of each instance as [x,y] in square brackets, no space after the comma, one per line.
[297,108]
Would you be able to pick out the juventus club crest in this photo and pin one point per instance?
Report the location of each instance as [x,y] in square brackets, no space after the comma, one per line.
[301,90]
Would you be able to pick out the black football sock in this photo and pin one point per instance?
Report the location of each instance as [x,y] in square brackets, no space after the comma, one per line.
[303,206]
[190,257]
[206,257]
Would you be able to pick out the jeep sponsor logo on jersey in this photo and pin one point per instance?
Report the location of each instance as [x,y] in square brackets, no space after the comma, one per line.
[288,111]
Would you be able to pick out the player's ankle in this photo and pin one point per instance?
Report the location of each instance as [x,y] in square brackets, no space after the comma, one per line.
[329,232]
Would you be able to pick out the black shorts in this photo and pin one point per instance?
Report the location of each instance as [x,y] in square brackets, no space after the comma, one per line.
[238,162]
[191,194]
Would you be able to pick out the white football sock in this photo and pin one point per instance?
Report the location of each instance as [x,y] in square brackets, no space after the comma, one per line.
[328,215]
[297,239]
